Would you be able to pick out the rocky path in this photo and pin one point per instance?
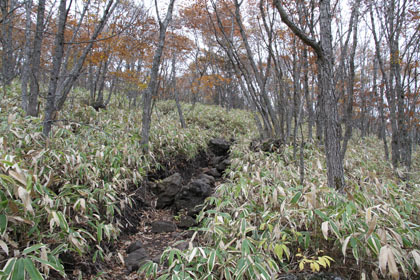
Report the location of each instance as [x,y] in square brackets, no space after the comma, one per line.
[178,195]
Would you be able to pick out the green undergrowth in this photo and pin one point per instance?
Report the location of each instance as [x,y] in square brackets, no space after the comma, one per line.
[262,223]
[65,194]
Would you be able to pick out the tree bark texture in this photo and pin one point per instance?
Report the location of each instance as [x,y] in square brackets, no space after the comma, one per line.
[335,172]
[55,71]
[152,86]
[32,108]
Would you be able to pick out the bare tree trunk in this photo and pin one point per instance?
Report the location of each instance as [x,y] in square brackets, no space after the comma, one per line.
[55,71]
[335,170]
[175,91]
[8,61]
[320,108]
[113,84]
[91,83]
[260,75]
[364,119]
[383,120]
[27,55]
[66,85]
[309,104]
[301,160]
[389,93]
[394,17]
[32,108]
[350,85]
[152,86]
[324,52]
[99,102]
[296,97]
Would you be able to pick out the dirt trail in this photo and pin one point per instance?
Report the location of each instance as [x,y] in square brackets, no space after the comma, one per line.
[151,224]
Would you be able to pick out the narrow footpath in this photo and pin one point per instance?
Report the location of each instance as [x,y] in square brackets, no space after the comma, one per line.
[167,204]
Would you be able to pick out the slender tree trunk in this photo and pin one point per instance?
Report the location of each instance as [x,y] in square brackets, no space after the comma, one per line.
[175,91]
[27,55]
[32,108]
[99,102]
[335,172]
[364,118]
[350,85]
[152,86]
[383,123]
[308,98]
[8,61]
[66,85]
[55,71]
[301,160]
[260,75]
[404,144]
[320,108]
[296,98]
[91,83]
[113,84]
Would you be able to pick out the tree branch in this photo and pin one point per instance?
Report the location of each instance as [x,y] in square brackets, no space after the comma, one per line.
[297,31]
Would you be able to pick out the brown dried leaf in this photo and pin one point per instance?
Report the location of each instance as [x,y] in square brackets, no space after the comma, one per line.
[372,225]
[44,257]
[18,176]
[26,199]
[344,247]
[4,246]
[392,265]
[20,219]
[416,257]
[324,228]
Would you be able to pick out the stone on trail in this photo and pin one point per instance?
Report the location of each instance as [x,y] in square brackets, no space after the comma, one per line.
[213,172]
[219,147]
[134,246]
[223,165]
[163,226]
[186,222]
[137,256]
[214,161]
[194,193]
[167,189]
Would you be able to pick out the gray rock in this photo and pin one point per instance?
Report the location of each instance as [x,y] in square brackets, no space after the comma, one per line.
[164,201]
[194,193]
[193,212]
[163,226]
[156,259]
[186,222]
[200,187]
[167,189]
[223,165]
[190,203]
[213,172]
[136,259]
[207,178]
[214,161]
[169,185]
[183,245]
[134,246]
[219,147]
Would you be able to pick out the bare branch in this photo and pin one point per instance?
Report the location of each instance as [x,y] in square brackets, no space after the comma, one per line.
[297,31]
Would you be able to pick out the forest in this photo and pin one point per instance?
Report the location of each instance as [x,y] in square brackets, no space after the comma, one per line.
[210,139]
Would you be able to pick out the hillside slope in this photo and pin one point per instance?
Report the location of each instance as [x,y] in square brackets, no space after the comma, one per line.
[70,195]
